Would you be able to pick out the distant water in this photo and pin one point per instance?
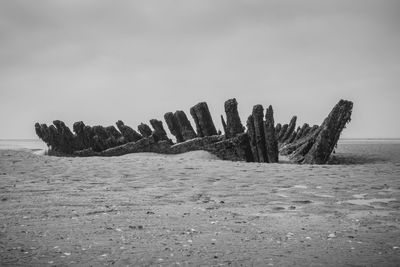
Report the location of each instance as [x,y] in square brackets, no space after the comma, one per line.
[369,141]
[34,145]
[365,151]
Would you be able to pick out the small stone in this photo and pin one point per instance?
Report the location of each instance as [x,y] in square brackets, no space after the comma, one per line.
[289,235]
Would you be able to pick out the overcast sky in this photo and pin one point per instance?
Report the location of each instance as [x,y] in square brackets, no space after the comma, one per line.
[101,61]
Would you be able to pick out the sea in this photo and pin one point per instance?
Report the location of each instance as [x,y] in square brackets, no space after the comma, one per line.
[36,146]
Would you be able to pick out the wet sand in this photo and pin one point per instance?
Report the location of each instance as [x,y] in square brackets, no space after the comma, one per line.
[192,209]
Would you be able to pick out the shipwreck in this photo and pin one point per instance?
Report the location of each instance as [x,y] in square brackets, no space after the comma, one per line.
[260,141]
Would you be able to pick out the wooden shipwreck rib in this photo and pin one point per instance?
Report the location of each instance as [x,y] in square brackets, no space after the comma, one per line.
[260,141]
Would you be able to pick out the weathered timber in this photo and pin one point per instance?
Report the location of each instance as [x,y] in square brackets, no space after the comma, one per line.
[306,145]
[314,129]
[196,122]
[306,131]
[116,135]
[112,131]
[185,126]
[159,132]
[252,138]
[223,124]
[308,134]
[329,133]
[203,120]
[282,132]
[233,124]
[63,136]
[271,144]
[258,118]
[127,132]
[197,143]
[38,131]
[42,132]
[318,145]
[144,130]
[102,138]
[278,128]
[146,144]
[173,126]
[80,139]
[291,138]
[235,149]
[53,138]
[289,131]
[101,132]
[88,135]
[301,132]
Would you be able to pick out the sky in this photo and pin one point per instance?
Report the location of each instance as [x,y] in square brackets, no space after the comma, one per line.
[100,61]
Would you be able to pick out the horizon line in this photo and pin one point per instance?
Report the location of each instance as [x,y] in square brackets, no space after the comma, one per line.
[346,138]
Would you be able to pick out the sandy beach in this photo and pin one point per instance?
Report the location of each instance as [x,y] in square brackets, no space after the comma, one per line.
[195,210]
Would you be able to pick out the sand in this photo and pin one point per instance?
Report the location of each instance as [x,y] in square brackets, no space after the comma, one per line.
[193,209]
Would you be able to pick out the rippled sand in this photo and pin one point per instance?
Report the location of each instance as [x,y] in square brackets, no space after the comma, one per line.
[193,209]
